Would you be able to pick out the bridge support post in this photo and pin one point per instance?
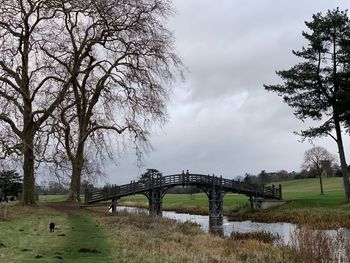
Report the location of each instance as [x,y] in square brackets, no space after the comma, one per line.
[215,196]
[255,202]
[113,206]
[155,200]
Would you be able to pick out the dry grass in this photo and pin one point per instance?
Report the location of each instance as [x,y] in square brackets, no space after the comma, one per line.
[320,218]
[262,236]
[3,212]
[315,246]
[139,238]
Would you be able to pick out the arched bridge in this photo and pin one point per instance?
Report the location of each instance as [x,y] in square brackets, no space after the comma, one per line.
[214,187]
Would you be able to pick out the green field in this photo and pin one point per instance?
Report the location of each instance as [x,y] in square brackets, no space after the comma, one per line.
[53,198]
[197,203]
[300,194]
[306,193]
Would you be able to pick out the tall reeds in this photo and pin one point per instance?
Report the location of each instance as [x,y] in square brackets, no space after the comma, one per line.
[318,246]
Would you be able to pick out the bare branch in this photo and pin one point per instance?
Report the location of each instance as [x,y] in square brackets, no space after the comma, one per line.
[12,124]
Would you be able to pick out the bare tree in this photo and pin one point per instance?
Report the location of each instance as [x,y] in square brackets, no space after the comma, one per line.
[127,60]
[315,158]
[31,86]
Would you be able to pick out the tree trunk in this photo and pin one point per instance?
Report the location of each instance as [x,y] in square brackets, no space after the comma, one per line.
[27,136]
[77,165]
[343,165]
[28,194]
[344,171]
[321,183]
[74,195]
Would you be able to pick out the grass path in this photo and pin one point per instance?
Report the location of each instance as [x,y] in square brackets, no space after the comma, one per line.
[25,236]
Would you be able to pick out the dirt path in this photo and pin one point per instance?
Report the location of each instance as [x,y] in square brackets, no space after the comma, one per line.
[65,207]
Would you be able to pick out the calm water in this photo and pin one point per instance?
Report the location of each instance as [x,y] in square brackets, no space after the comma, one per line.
[283,230]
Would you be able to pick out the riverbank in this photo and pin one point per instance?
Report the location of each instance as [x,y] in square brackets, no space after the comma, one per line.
[305,205]
[154,239]
[91,235]
[318,218]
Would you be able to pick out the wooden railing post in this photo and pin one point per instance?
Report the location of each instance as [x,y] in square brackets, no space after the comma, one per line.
[105,191]
[280,191]
[113,206]
[86,195]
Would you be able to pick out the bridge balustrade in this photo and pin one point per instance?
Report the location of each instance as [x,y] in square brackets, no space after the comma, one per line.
[215,187]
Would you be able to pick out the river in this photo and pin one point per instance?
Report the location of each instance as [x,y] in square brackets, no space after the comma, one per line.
[282,229]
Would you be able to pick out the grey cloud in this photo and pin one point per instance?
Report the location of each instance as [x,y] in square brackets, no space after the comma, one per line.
[221,119]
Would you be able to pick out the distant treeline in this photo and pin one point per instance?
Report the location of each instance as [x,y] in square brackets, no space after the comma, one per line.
[61,188]
[268,177]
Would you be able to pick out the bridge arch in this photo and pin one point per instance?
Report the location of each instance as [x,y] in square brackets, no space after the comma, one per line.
[214,187]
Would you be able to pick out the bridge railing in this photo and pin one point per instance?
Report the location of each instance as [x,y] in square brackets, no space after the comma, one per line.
[273,191]
[183,179]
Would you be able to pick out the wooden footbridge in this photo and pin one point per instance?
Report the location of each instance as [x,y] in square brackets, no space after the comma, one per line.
[214,187]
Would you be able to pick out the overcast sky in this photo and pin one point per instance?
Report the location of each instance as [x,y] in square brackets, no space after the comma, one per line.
[222,121]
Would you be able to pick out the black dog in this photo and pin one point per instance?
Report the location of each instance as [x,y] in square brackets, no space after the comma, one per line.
[52,227]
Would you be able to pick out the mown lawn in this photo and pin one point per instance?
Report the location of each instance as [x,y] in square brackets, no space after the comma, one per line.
[52,198]
[197,203]
[300,194]
[306,193]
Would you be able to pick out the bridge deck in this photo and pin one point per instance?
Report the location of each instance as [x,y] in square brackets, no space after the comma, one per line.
[199,180]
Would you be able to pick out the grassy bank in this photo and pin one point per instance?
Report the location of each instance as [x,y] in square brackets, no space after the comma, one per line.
[140,238]
[306,205]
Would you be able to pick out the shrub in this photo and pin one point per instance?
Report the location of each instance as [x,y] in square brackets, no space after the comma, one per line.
[262,236]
